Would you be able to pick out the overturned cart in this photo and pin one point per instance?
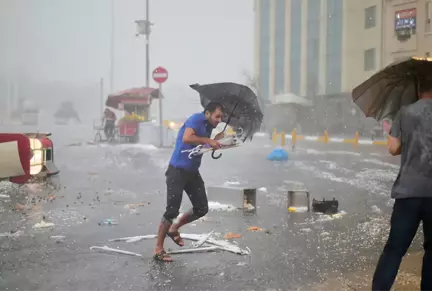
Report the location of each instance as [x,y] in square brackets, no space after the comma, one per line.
[26,155]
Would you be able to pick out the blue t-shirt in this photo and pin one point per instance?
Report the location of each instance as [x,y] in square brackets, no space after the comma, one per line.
[203,128]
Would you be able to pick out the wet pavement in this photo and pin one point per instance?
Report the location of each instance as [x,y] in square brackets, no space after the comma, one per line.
[126,183]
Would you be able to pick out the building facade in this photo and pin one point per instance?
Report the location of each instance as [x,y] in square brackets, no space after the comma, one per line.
[408,29]
[327,47]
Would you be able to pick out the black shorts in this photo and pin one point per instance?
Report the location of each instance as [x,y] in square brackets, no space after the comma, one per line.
[179,180]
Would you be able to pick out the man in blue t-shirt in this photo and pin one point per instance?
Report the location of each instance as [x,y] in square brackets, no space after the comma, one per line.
[183,175]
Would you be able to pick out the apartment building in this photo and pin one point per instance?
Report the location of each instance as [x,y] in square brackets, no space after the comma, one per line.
[327,47]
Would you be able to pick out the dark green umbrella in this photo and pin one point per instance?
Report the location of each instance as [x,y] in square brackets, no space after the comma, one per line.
[241,107]
[383,94]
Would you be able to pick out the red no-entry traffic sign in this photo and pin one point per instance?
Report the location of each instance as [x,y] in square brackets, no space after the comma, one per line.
[160,75]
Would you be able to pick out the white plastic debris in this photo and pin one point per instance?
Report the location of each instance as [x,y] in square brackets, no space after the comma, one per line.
[4,196]
[216,206]
[203,240]
[43,224]
[262,189]
[131,239]
[11,234]
[249,206]
[57,237]
[194,250]
[376,209]
[111,250]
[223,245]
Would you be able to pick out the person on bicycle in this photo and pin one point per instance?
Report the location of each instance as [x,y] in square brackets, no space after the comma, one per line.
[109,120]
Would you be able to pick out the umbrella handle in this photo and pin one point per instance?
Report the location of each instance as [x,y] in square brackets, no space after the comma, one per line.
[215,157]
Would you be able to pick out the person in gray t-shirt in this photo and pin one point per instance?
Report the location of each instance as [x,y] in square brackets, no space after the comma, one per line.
[410,137]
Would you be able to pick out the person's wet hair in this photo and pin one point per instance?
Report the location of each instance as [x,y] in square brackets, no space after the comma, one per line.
[425,85]
[213,106]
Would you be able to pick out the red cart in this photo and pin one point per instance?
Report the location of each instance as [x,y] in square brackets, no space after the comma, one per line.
[136,104]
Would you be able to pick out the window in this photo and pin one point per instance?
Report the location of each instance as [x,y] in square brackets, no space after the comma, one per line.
[369,59]
[370,17]
[428,26]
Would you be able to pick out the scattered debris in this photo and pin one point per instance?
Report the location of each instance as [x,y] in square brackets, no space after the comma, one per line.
[111,250]
[43,224]
[57,237]
[306,230]
[108,221]
[376,209]
[249,206]
[231,235]
[136,205]
[255,228]
[194,250]
[4,196]
[203,240]
[11,233]
[221,207]
[299,209]
[222,244]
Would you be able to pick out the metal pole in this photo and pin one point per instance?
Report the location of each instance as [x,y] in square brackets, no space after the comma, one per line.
[147,45]
[101,88]
[160,117]
[112,47]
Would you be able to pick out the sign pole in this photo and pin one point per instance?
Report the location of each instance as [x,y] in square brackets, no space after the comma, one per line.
[160,75]
[160,116]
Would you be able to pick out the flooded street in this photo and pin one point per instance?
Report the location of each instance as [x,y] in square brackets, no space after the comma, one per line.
[125,183]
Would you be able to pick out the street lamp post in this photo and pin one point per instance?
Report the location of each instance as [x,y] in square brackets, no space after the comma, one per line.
[144,28]
[112,43]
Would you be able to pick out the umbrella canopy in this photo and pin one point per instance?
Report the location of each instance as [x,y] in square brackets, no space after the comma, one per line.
[383,94]
[139,96]
[241,108]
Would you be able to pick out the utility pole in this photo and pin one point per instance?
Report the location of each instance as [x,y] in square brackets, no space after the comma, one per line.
[112,44]
[144,28]
[148,45]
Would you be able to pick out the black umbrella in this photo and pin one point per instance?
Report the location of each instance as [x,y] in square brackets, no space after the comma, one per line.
[383,94]
[241,107]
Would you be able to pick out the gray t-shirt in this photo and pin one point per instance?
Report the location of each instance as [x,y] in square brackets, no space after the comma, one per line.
[413,126]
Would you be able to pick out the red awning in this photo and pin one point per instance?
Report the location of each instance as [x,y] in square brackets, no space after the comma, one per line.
[138,96]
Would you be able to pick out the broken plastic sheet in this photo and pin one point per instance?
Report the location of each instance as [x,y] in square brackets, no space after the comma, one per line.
[111,250]
[43,224]
[203,240]
[174,252]
[221,244]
